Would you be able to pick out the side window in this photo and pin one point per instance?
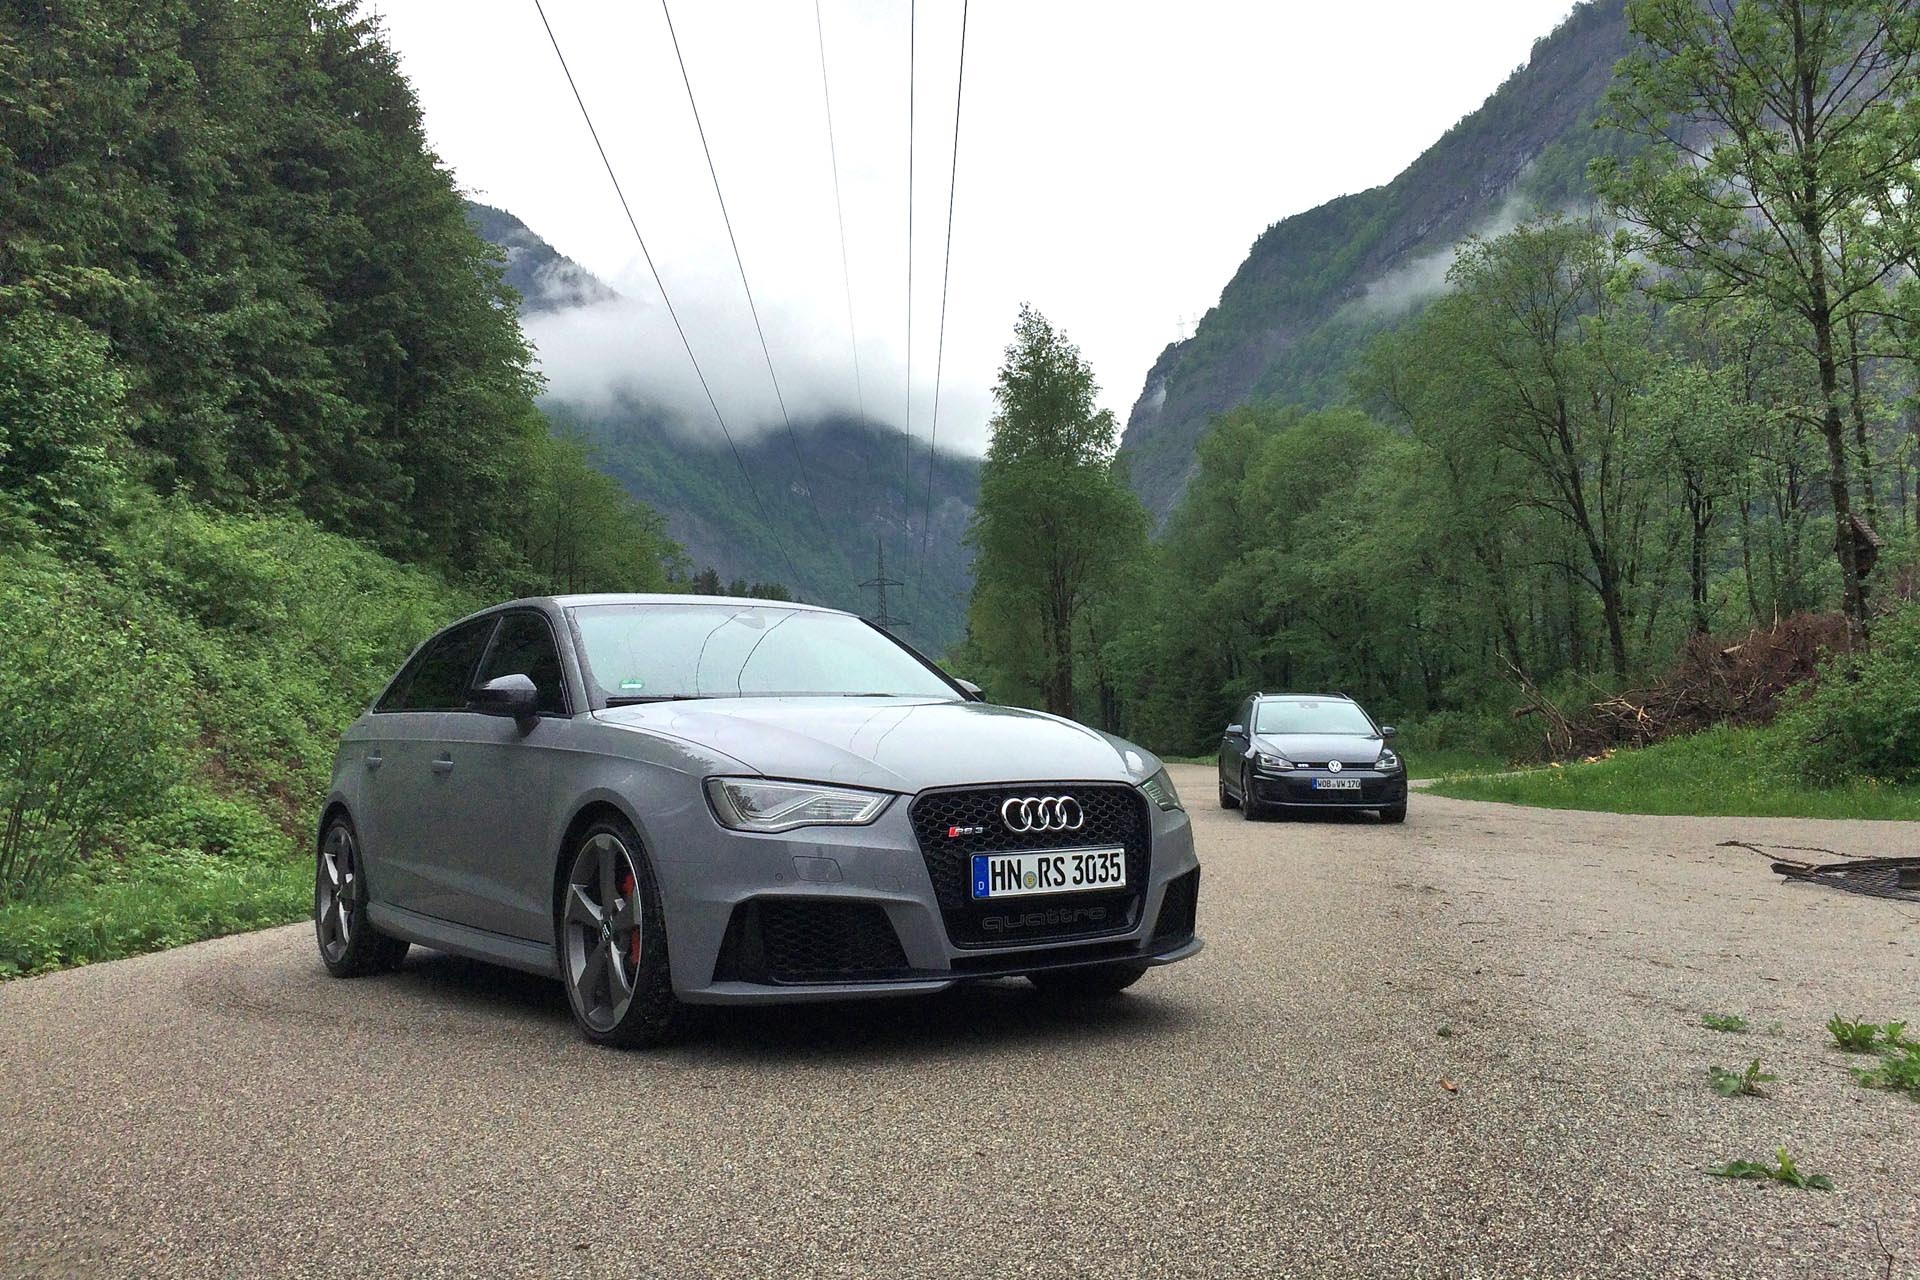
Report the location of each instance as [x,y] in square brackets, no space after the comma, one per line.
[444,668]
[1247,709]
[525,647]
[395,698]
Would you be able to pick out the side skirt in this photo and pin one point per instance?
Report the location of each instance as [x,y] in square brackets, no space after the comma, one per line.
[464,940]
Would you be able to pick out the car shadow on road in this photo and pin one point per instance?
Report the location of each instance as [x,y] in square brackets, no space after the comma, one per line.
[978,1017]
[479,987]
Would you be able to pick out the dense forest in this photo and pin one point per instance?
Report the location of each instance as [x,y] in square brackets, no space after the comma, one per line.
[266,419]
[1688,413]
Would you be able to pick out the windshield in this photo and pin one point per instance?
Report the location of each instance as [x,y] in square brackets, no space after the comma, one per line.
[1311,717]
[637,652]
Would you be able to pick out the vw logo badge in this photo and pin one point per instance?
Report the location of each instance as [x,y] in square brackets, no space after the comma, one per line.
[1333,766]
[1023,814]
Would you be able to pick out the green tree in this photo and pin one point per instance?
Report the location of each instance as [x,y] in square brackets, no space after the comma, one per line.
[1551,344]
[1777,128]
[238,199]
[60,406]
[1056,524]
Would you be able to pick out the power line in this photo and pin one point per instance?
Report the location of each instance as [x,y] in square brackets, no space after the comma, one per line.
[940,349]
[793,574]
[906,427]
[839,213]
[738,262]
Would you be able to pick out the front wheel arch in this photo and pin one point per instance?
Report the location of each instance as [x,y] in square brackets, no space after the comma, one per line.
[651,1017]
[586,816]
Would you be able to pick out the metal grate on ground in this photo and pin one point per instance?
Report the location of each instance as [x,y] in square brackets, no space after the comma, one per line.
[1894,878]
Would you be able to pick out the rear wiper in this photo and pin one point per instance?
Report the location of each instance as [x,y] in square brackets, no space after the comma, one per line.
[636,699]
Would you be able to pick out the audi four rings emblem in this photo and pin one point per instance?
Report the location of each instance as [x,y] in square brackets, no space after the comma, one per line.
[1042,813]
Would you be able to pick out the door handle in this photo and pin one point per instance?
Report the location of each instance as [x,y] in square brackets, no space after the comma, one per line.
[374,761]
[443,764]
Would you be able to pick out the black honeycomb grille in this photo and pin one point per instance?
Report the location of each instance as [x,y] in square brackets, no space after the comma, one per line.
[1178,907]
[798,940]
[944,823]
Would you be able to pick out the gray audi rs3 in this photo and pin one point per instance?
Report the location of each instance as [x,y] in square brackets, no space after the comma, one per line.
[669,800]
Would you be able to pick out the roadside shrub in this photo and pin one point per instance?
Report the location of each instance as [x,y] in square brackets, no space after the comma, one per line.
[1489,732]
[92,720]
[59,418]
[1862,718]
[120,909]
[194,818]
[288,631]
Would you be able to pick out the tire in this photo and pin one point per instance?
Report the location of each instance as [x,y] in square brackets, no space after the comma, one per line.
[1250,808]
[1394,813]
[350,946]
[613,963]
[1227,800]
[1095,982]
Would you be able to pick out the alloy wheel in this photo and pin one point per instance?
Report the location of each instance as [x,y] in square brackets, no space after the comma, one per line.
[333,892]
[601,929]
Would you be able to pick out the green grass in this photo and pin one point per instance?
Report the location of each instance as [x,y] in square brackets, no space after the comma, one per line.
[149,903]
[1725,772]
[1452,764]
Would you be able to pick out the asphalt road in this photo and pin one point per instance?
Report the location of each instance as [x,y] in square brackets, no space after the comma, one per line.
[1278,1106]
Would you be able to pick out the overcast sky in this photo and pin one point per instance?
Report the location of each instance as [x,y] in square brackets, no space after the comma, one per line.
[1116,162]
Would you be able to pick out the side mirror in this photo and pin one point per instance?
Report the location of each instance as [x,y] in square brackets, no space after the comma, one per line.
[1236,731]
[1388,731]
[515,695]
[973,691]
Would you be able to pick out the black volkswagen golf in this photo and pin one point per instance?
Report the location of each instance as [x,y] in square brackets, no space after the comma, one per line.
[1294,752]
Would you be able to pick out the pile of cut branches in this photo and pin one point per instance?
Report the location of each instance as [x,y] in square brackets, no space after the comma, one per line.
[1713,682]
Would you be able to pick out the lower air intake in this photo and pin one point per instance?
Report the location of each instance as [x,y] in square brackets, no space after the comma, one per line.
[809,940]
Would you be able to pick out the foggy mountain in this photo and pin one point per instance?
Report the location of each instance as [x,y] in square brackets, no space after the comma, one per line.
[544,278]
[828,508]
[1316,286]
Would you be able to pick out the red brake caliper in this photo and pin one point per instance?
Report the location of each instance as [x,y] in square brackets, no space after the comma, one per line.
[633,945]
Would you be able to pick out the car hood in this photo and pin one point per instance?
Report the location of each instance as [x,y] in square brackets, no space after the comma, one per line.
[893,744]
[1347,748]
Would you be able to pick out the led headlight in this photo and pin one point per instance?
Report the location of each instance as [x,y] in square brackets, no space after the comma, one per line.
[755,804]
[1388,762]
[1267,762]
[1159,789]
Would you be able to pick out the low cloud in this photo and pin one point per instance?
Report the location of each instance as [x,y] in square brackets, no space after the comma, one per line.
[625,350]
[1424,277]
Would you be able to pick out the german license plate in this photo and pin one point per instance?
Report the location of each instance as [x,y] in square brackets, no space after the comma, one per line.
[1019,875]
[1336,784]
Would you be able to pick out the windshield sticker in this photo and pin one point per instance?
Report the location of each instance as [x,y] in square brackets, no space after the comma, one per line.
[633,684]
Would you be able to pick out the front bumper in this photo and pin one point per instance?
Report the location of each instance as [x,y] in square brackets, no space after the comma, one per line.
[842,913]
[1294,789]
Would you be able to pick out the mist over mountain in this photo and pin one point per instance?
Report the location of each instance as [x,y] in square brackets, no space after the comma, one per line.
[545,279]
[819,506]
[1318,285]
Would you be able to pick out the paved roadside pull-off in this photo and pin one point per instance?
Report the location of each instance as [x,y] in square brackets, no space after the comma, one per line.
[1276,1107]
